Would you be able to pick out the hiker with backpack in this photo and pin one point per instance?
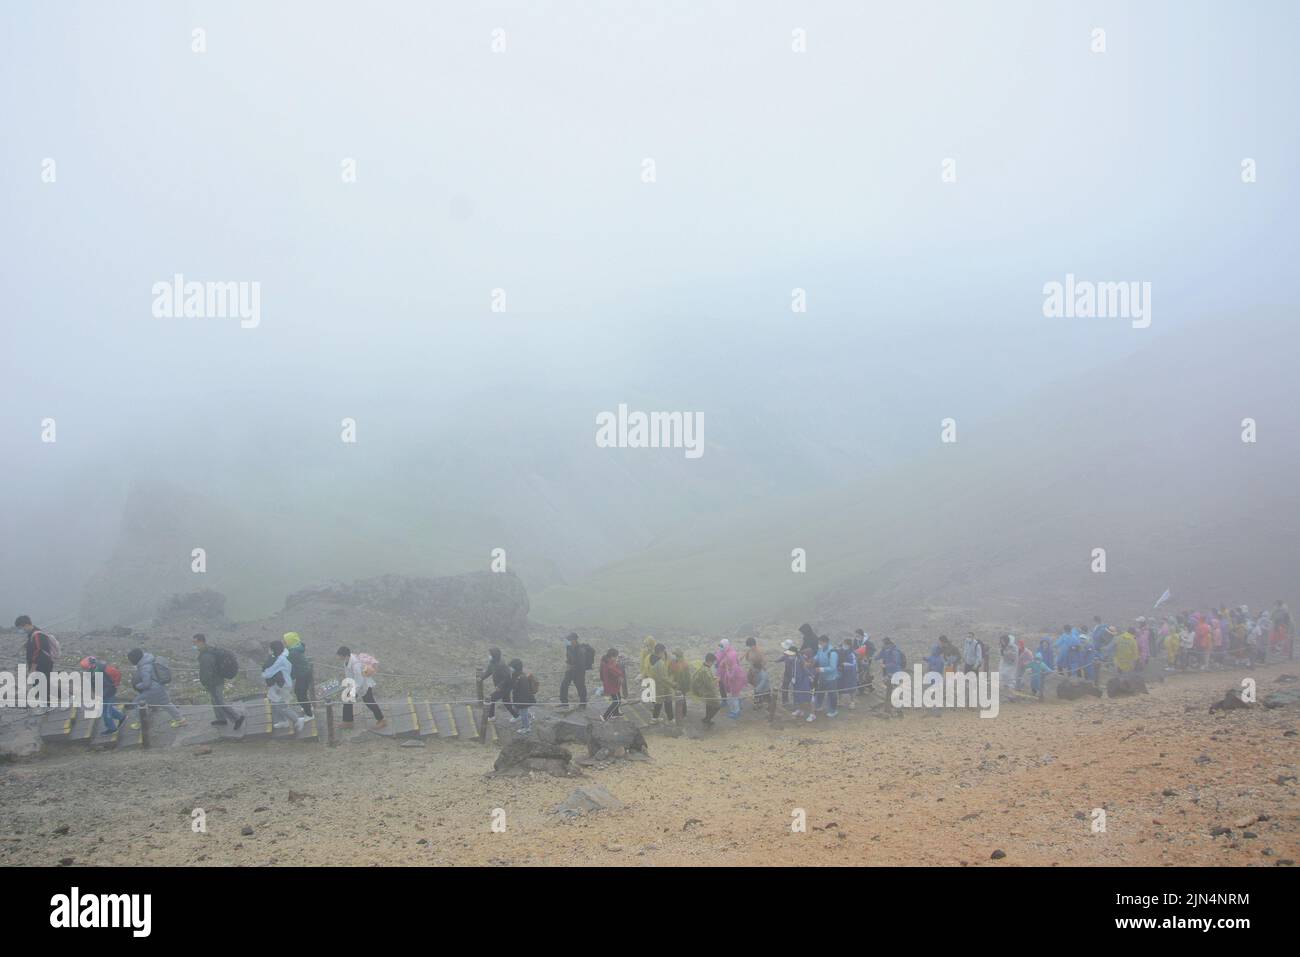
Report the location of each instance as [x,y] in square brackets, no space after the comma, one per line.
[499,672]
[361,668]
[579,658]
[278,675]
[304,685]
[112,715]
[216,666]
[152,676]
[828,675]
[892,661]
[42,649]
[523,695]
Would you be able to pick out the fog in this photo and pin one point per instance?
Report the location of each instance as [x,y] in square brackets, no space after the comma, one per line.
[518,176]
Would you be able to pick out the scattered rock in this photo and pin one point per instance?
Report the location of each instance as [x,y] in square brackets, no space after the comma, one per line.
[246,830]
[1231,701]
[587,800]
[998,855]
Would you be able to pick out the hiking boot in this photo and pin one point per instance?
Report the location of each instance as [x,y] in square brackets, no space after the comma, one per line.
[832,714]
[280,725]
[239,722]
[811,717]
[299,724]
[134,725]
[381,724]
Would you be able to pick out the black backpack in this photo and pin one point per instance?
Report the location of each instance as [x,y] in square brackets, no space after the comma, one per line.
[227,664]
[588,656]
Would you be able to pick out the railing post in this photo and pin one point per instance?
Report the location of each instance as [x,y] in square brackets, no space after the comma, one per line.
[329,724]
[144,725]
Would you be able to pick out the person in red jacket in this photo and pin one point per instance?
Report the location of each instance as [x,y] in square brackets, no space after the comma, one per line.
[611,678]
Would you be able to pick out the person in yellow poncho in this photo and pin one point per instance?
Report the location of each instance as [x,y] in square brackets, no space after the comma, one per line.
[1171,647]
[647,652]
[665,684]
[1126,652]
[681,669]
[704,685]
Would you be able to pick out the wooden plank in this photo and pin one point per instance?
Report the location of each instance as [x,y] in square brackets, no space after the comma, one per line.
[424,714]
[309,732]
[57,724]
[465,723]
[405,723]
[127,736]
[445,721]
[258,723]
[84,727]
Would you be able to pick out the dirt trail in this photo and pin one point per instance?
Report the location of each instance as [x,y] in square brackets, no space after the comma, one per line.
[917,790]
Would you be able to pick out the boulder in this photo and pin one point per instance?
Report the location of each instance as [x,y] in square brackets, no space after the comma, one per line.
[550,728]
[1281,699]
[1073,690]
[618,738]
[1122,685]
[20,737]
[526,754]
[1231,701]
[586,800]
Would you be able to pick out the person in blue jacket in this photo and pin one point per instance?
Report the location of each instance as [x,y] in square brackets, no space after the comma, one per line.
[828,677]
[934,661]
[891,661]
[1038,671]
[1045,650]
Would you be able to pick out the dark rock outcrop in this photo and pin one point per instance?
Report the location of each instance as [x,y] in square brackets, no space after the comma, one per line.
[525,754]
[484,606]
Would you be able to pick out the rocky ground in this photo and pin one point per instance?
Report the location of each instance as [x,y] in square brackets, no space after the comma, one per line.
[949,790]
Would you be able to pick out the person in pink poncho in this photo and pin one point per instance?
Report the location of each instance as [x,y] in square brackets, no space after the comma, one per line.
[731,677]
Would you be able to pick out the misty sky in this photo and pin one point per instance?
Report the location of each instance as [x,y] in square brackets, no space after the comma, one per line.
[522,170]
